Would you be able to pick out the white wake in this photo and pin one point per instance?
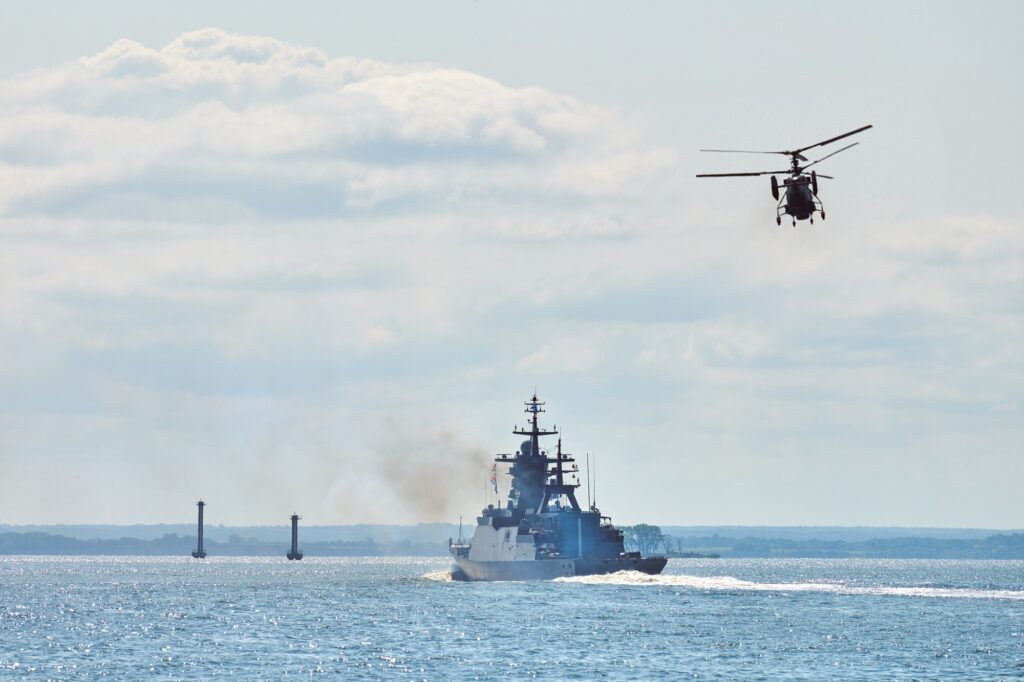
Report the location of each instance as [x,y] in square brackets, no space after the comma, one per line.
[444,576]
[730,584]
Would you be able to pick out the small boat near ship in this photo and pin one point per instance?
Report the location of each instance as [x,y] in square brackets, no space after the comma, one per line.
[542,532]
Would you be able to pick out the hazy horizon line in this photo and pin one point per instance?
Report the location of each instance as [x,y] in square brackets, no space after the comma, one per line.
[454,523]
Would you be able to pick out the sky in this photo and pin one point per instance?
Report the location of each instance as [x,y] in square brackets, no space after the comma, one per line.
[315,257]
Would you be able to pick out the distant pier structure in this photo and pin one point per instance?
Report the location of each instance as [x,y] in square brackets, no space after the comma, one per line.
[200,553]
[295,553]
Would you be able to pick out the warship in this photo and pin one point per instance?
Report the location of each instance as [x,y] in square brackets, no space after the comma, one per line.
[541,532]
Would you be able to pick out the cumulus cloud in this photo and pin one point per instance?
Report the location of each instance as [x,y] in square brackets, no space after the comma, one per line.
[265,127]
[225,257]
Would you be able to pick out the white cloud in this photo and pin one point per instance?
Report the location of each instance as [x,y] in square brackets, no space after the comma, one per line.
[257,124]
[570,354]
[240,245]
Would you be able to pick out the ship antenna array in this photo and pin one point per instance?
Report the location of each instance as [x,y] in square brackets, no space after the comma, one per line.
[590,505]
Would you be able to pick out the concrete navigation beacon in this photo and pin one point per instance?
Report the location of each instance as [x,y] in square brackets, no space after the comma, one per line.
[542,532]
[200,553]
[295,554]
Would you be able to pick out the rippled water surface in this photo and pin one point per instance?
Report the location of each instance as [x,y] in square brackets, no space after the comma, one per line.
[131,617]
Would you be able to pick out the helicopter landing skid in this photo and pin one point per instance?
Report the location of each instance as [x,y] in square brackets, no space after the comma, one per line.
[819,207]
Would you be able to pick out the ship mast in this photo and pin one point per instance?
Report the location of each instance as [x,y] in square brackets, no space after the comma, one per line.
[533,408]
[531,489]
[560,487]
[529,470]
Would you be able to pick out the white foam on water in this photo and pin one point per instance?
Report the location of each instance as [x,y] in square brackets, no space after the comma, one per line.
[728,583]
[444,576]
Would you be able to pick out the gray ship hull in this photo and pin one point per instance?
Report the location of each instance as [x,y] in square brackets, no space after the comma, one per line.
[547,569]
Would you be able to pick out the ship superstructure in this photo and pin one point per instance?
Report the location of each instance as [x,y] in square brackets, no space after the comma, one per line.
[542,532]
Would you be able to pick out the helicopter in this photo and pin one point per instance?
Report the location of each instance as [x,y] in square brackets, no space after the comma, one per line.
[801,190]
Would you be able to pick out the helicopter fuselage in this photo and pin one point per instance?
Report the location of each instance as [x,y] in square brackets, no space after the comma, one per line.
[799,197]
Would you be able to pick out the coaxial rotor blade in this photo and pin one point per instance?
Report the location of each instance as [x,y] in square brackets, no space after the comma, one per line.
[739,151]
[832,154]
[825,176]
[740,175]
[831,140]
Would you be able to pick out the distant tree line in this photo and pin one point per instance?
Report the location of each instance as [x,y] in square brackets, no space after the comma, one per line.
[999,546]
[645,538]
[173,544]
[648,539]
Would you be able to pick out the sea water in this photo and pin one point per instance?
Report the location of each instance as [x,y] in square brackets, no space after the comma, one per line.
[404,618]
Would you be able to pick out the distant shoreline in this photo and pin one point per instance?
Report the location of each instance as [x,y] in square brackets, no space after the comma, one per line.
[692,555]
[430,540]
[378,531]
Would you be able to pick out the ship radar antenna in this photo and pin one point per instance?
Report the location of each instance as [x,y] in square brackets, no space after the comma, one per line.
[534,407]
